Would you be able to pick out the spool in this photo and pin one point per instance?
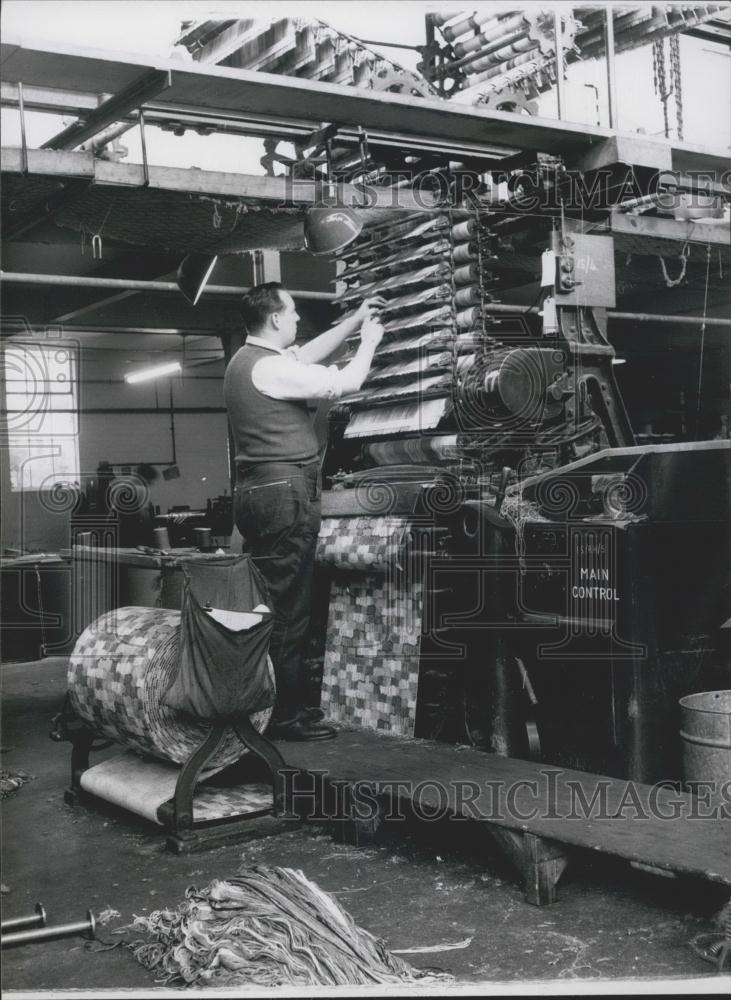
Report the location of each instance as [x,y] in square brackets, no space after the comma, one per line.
[203,538]
[467,275]
[121,666]
[162,538]
[465,252]
[705,730]
[468,296]
[468,318]
[464,230]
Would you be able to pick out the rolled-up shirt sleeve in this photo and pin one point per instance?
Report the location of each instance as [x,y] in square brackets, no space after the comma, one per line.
[284,376]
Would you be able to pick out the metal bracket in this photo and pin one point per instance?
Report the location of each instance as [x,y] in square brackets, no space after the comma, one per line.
[130,98]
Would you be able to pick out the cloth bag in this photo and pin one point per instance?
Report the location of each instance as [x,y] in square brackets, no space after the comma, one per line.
[222,655]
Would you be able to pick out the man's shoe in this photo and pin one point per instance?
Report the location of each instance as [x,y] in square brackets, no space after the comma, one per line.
[299,729]
[311,714]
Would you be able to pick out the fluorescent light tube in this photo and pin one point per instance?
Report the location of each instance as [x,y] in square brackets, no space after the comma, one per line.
[146,374]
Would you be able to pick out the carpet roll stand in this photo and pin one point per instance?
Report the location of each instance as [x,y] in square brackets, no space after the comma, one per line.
[118,672]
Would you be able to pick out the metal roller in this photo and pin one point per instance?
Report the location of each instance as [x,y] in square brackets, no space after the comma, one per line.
[521,60]
[466,63]
[486,37]
[414,451]
[368,543]
[482,19]
[521,46]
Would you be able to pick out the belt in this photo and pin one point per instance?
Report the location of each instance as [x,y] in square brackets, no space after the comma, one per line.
[243,470]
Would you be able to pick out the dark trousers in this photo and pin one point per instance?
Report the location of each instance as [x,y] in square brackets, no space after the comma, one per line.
[278,514]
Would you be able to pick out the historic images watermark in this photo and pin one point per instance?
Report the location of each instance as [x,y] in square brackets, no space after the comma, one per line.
[553,794]
[523,191]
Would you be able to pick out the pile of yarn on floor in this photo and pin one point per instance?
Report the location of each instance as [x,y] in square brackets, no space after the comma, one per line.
[267,927]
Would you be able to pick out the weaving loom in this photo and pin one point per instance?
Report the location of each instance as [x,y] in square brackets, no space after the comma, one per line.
[456,394]
[480,430]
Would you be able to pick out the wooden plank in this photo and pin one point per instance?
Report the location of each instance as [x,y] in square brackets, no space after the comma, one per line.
[623,822]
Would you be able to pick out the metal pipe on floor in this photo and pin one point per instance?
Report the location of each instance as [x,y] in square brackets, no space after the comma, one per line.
[81,281]
[84,928]
[37,919]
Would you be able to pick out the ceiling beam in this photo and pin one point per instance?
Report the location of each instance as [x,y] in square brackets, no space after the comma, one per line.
[237,94]
[148,85]
[277,190]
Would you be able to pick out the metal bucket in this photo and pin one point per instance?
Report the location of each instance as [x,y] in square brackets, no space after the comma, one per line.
[705,728]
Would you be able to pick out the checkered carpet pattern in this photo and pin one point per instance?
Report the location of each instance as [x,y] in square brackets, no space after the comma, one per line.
[120,668]
[372,649]
[365,543]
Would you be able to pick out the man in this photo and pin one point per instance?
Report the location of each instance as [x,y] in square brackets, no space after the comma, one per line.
[277,507]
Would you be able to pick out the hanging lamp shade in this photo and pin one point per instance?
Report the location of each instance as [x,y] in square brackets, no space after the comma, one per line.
[328,230]
[194,273]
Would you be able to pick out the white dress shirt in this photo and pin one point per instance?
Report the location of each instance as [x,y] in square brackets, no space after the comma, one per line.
[283,376]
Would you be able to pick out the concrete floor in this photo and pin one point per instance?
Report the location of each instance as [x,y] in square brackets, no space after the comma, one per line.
[417,888]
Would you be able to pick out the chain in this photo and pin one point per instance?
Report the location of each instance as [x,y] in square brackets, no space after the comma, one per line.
[672,282]
[658,65]
[676,84]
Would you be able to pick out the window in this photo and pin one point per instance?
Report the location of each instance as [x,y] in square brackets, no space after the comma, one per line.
[41,418]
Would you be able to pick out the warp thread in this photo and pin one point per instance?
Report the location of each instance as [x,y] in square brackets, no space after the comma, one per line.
[268,927]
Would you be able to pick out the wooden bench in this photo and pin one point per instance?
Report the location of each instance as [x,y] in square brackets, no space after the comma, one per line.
[535,811]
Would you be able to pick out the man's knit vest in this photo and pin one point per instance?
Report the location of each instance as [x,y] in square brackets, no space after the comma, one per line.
[265,429]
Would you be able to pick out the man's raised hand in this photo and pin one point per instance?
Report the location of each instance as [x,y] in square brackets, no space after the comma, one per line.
[371,332]
[369,307]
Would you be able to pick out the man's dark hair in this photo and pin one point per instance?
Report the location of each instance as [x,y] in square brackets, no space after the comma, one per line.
[259,303]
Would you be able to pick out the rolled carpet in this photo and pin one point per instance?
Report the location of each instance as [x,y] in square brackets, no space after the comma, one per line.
[267,927]
[121,666]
